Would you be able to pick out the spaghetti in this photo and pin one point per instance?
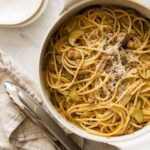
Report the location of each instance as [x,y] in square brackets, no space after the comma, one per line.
[96,84]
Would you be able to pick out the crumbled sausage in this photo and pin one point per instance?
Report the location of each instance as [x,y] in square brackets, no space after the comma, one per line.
[125,20]
[91,99]
[133,43]
[73,54]
[120,36]
[109,35]
[131,130]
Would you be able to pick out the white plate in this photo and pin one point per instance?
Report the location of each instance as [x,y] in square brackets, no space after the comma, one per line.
[33,17]
[19,12]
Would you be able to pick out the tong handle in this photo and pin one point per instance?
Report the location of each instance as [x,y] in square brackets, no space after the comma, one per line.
[38,115]
[41,117]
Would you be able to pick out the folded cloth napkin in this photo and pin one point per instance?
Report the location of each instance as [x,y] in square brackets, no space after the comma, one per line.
[16,130]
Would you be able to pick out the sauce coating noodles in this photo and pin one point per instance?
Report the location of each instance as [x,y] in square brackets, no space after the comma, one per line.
[97,70]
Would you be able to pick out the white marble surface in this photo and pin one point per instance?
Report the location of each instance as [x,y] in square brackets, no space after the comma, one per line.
[24,45]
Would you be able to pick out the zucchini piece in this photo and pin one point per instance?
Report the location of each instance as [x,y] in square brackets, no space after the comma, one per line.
[58,59]
[67,75]
[144,73]
[136,112]
[138,115]
[74,35]
[74,95]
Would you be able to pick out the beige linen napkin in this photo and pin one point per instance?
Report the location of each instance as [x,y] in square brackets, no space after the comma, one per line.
[16,130]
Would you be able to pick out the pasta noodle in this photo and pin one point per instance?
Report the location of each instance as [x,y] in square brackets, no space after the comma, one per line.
[97,78]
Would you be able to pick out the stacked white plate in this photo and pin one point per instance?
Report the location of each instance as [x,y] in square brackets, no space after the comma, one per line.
[18,13]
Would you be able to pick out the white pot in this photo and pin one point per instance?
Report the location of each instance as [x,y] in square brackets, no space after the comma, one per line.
[139,140]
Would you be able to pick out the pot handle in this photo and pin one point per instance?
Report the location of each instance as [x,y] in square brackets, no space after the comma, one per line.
[68,3]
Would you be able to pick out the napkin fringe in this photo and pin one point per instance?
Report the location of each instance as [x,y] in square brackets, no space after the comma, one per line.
[7,64]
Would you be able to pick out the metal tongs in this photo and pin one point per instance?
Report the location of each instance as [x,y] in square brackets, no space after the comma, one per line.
[38,115]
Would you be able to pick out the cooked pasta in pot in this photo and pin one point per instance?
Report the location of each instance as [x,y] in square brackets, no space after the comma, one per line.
[97,70]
